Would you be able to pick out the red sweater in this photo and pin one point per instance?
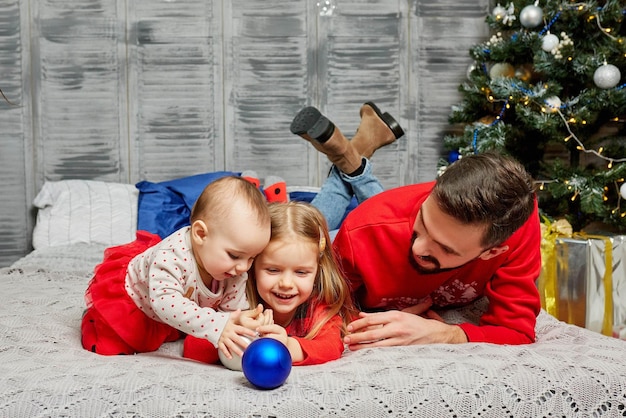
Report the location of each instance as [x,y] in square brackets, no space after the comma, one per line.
[373,246]
[327,345]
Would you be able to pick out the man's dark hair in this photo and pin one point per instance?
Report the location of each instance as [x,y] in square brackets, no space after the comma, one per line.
[487,189]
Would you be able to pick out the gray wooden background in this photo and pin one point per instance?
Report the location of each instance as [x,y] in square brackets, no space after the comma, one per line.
[127,90]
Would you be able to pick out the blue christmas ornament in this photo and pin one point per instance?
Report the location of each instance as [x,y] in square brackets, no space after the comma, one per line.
[266,363]
[453,156]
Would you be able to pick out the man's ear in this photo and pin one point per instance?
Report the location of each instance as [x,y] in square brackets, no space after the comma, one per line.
[199,231]
[494,252]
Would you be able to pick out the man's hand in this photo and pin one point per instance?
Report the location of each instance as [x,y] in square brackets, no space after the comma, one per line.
[420,308]
[423,309]
[391,328]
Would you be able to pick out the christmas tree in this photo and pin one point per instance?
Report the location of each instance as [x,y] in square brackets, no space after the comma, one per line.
[547,89]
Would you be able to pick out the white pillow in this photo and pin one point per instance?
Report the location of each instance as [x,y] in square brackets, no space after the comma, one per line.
[85,211]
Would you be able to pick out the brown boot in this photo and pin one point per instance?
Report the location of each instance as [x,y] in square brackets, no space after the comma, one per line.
[375,130]
[311,125]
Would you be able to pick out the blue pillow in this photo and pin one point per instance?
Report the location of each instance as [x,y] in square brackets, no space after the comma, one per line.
[165,207]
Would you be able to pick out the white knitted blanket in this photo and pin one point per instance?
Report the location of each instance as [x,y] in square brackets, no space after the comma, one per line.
[44,372]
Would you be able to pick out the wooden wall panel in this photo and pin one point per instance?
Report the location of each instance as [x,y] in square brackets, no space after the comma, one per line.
[442,33]
[16,189]
[266,83]
[175,88]
[364,56]
[78,84]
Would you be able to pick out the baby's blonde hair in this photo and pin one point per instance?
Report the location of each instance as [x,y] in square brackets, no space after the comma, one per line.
[217,198]
[330,288]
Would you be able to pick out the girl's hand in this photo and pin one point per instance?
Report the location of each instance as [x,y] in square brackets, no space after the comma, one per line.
[268,318]
[279,333]
[273,331]
[255,317]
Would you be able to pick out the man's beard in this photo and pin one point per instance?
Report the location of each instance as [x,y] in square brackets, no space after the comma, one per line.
[435,269]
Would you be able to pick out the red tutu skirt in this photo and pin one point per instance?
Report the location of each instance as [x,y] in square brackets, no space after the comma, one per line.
[113,324]
[200,349]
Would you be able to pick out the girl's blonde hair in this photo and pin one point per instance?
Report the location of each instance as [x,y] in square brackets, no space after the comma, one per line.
[330,287]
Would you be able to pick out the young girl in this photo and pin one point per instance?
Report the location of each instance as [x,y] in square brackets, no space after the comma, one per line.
[150,291]
[297,281]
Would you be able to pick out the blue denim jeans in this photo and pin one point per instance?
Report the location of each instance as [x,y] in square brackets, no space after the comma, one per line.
[336,193]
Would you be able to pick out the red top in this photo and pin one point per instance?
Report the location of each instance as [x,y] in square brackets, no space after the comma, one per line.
[327,345]
[373,246]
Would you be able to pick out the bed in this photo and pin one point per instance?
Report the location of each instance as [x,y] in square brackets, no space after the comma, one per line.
[569,371]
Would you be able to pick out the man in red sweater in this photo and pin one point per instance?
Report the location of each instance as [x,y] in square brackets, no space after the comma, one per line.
[473,232]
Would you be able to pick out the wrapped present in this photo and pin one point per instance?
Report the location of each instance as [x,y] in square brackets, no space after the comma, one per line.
[583,279]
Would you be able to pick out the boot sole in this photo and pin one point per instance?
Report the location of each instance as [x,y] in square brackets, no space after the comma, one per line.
[310,124]
[391,123]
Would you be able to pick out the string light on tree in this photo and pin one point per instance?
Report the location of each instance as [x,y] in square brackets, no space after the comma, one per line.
[581,147]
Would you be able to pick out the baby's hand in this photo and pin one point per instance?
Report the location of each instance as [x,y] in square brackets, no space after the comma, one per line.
[231,340]
[255,318]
